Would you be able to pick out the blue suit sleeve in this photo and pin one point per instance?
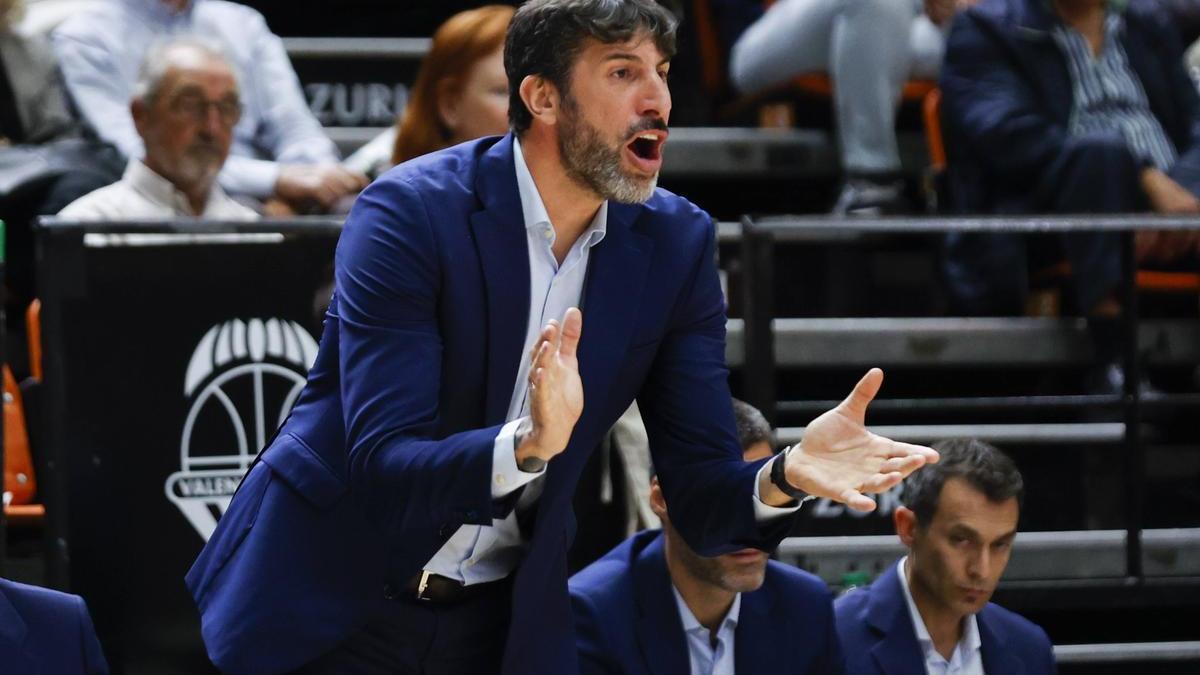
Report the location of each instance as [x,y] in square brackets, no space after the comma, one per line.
[687,409]
[388,278]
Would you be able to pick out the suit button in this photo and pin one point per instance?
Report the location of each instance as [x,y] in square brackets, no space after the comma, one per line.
[389,592]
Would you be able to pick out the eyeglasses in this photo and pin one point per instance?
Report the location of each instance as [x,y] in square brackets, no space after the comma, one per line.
[196,108]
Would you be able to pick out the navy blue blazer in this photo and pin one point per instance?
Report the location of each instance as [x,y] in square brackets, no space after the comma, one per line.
[44,631]
[1007,98]
[627,621]
[877,635]
[389,448]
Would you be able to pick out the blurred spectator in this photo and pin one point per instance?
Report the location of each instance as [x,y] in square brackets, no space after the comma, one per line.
[930,612]
[44,161]
[869,48]
[461,92]
[654,605]
[44,631]
[1075,106]
[184,107]
[1185,16]
[279,149]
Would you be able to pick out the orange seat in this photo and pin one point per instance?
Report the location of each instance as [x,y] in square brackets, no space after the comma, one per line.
[18,462]
[33,331]
[819,84]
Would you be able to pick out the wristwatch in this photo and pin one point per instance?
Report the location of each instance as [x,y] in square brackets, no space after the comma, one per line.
[779,478]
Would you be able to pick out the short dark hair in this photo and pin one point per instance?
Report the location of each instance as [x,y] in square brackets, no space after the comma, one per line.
[982,465]
[752,427]
[546,36]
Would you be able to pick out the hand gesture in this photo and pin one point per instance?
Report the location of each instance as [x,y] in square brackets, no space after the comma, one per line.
[316,186]
[555,392]
[840,459]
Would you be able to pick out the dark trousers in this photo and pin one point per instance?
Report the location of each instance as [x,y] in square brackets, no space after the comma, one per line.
[988,272]
[412,637]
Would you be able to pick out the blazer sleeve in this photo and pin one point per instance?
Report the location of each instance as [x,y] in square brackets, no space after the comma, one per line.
[686,405]
[388,279]
[992,108]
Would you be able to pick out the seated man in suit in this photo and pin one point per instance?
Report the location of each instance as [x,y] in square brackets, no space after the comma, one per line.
[930,612]
[654,605]
[44,631]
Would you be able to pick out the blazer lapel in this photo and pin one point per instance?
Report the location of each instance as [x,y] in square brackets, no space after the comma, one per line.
[617,269]
[757,636]
[992,641]
[500,239]
[897,653]
[659,628]
[13,632]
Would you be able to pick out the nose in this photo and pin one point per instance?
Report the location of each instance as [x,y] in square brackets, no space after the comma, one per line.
[655,99]
[212,121]
[981,564]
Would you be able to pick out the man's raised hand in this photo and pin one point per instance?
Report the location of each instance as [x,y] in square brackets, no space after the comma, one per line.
[555,392]
[840,459]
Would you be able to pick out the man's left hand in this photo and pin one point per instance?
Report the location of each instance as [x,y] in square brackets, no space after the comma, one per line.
[840,459]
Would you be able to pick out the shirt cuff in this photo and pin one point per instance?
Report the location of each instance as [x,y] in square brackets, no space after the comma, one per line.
[506,477]
[762,510]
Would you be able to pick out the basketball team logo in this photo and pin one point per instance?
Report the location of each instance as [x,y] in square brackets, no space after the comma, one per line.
[241,382]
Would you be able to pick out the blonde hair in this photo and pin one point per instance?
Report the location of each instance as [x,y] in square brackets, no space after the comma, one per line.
[458,44]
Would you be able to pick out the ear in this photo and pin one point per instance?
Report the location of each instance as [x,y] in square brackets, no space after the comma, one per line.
[141,114]
[541,98]
[906,524]
[449,95]
[658,503]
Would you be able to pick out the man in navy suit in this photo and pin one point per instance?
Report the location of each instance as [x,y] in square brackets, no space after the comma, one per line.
[44,631]
[653,606]
[414,511]
[930,613]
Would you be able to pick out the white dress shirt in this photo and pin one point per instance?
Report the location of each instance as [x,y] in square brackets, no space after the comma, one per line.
[142,194]
[706,658]
[100,49]
[967,658]
[477,554]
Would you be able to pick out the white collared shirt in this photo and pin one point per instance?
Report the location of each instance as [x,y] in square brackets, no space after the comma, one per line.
[705,657]
[142,194]
[967,658]
[477,554]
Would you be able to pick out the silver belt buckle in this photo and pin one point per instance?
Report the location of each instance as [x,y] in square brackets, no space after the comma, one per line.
[423,584]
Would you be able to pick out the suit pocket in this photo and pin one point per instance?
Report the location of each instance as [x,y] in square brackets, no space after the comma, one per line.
[235,523]
[303,470]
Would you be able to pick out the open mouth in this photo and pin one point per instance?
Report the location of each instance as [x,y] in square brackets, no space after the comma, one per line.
[646,150]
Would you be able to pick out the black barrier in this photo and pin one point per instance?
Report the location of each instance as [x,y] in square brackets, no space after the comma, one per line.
[172,353]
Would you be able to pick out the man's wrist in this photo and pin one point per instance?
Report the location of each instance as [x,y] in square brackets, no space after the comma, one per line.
[525,447]
[779,478]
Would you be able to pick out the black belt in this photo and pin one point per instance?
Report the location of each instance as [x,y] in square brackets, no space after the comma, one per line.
[433,588]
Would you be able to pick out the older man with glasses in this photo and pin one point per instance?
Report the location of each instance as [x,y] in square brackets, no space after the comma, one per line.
[184,107]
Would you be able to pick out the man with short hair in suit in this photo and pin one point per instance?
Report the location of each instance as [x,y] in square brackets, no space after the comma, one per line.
[929,613]
[413,514]
[44,631]
[653,606]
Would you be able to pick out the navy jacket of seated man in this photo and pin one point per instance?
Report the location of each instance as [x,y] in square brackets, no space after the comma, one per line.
[1007,99]
[878,636]
[388,450]
[44,631]
[627,621]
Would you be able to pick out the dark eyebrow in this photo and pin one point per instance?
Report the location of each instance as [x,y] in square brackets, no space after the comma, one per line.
[628,56]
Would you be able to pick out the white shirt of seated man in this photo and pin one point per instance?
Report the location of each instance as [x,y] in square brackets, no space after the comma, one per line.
[185,107]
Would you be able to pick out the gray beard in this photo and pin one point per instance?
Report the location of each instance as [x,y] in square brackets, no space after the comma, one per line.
[593,163]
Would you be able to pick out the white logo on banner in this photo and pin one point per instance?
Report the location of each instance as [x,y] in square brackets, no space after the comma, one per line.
[242,381]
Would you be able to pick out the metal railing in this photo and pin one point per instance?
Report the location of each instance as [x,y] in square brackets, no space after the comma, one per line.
[759,238]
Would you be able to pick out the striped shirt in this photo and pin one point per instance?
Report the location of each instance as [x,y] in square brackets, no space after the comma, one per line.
[1108,94]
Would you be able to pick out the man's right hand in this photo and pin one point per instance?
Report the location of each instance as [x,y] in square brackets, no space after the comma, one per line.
[1167,196]
[555,392]
[305,186]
